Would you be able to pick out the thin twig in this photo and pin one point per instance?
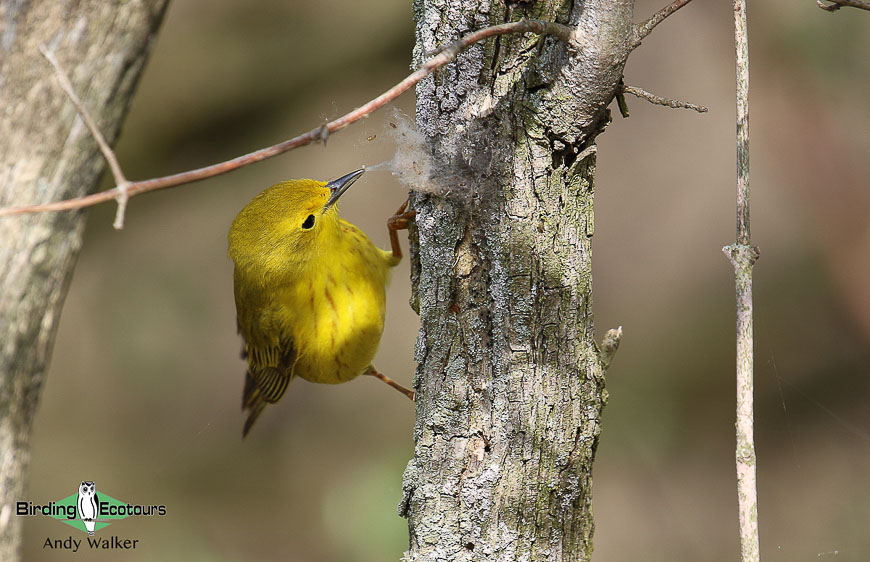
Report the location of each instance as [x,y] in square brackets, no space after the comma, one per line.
[586,153]
[643,29]
[658,100]
[444,56]
[120,180]
[743,256]
[563,32]
[67,86]
[620,101]
[837,4]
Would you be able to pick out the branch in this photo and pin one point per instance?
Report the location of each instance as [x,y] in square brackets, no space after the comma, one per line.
[641,30]
[120,180]
[658,100]
[125,189]
[621,103]
[563,32]
[837,4]
[743,256]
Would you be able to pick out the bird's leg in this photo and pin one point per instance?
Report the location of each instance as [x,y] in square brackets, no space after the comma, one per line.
[371,371]
[398,222]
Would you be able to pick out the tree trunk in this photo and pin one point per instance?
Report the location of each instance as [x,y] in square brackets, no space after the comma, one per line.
[510,381]
[47,154]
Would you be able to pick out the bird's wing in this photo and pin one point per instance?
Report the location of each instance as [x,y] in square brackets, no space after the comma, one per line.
[269,347]
[270,369]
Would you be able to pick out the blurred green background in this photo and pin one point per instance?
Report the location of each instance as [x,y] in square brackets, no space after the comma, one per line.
[144,390]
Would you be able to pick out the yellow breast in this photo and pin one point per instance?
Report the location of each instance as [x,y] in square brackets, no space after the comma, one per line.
[338,309]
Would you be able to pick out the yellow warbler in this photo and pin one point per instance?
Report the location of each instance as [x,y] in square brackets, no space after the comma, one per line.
[309,288]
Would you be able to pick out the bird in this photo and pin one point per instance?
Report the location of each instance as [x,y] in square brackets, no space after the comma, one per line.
[309,288]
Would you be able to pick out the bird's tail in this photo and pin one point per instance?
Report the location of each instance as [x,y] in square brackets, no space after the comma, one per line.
[252,402]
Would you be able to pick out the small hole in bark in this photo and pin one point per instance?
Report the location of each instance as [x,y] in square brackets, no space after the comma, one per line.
[469,546]
[486,448]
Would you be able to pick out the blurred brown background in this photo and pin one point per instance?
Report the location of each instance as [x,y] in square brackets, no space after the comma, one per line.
[143,395]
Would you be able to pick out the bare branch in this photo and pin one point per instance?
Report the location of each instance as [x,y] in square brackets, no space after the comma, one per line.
[620,101]
[122,198]
[563,32]
[658,100]
[586,153]
[67,86]
[120,180]
[126,189]
[837,4]
[643,29]
[743,256]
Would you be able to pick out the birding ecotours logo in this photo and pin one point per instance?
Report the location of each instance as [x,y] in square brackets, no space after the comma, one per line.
[87,506]
[88,510]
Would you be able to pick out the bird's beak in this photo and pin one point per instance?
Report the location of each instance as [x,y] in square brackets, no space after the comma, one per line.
[339,186]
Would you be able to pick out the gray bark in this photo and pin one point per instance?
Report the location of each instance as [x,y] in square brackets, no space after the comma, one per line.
[47,154]
[510,382]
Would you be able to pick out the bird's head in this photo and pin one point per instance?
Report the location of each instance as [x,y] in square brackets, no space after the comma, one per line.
[287,224]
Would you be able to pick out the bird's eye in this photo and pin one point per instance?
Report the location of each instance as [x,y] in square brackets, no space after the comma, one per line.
[309,222]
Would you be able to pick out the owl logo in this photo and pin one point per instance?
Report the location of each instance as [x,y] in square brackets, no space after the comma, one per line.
[87,505]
